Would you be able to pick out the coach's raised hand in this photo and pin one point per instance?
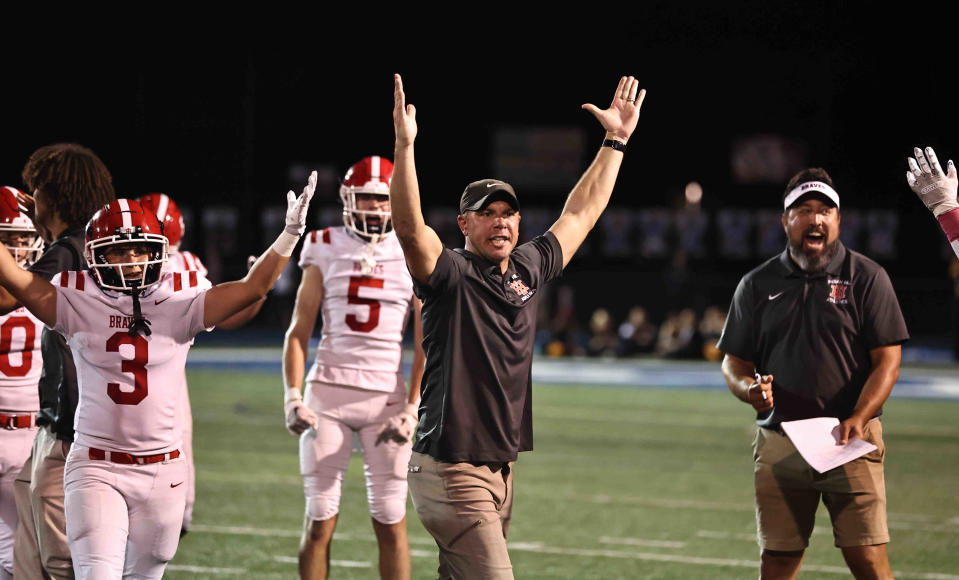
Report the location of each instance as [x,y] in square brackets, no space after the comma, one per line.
[936,188]
[621,117]
[404,116]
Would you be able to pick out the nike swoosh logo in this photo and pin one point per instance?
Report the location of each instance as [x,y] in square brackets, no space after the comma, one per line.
[176,484]
[775,296]
[489,185]
[155,302]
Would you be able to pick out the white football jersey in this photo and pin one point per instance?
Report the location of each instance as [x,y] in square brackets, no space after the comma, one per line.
[129,386]
[20,361]
[366,303]
[180,261]
[184,262]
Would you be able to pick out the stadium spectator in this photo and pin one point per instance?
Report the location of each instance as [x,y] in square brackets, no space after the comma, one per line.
[566,336]
[710,329]
[637,334]
[603,340]
[679,336]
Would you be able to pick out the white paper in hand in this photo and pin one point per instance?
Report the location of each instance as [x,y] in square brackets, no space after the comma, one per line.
[816,441]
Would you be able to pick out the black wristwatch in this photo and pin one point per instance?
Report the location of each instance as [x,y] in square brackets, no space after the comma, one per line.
[613,143]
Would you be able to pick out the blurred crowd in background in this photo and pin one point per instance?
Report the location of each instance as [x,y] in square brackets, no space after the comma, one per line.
[686,333]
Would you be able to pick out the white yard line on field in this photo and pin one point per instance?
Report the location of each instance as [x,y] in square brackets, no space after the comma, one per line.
[204,570]
[539,547]
[698,561]
[641,542]
[669,503]
[335,563]
[244,531]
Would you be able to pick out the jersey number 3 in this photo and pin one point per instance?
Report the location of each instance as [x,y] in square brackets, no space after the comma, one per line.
[354,298]
[137,366]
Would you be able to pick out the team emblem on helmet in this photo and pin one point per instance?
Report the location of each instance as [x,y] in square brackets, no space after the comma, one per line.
[124,221]
[366,181]
[168,213]
[17,232]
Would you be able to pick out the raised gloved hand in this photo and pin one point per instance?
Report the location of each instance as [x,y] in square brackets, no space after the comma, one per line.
[936,188]
[297,206]
[299,417]
[399,427]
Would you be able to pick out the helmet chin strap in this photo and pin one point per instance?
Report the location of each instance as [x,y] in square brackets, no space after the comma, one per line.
[139,324]
[369,262]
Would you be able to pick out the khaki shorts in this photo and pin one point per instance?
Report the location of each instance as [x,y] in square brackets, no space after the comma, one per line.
[467,509]
[788,492]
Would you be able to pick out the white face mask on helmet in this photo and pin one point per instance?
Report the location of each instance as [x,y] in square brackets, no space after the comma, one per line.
[368,177]
[14,224]
[116,224]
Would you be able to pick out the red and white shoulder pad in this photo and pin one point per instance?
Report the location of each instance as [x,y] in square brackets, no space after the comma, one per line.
[72,279]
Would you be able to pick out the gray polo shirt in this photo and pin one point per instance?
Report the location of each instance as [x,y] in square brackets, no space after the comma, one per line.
[478,332]
[813,332]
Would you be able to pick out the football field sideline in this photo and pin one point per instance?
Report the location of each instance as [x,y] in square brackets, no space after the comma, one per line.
[623,482]
[539,547]
[916,381]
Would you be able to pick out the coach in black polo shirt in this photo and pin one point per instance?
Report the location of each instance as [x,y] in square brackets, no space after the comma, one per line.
[479,308]
[821,326]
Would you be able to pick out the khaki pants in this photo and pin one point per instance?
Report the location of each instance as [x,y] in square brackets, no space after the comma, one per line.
[467,509]
[41,550]
[788,492]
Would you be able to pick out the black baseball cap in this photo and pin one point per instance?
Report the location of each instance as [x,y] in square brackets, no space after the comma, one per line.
[480,194]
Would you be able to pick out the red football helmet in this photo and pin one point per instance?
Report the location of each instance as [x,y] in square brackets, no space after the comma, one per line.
[119,222]
[368,177]
[168,213]
[17,232]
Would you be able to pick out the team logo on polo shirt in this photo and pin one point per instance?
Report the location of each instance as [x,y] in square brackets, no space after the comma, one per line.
[838,291]
[520,287]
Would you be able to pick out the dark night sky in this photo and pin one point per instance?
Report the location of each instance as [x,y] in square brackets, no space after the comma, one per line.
[216,110]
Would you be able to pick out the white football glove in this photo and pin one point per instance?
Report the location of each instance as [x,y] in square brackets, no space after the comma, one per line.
[399,427]
[299,417]
[936,189]
[296,207]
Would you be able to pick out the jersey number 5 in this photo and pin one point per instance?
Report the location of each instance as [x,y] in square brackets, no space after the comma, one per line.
[353,297]
[6,342]
[135,366]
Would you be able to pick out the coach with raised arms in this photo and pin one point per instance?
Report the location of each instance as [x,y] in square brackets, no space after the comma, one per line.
[479,321]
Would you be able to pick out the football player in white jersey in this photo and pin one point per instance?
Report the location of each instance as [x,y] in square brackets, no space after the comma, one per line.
[357,275]
[179,260]
[20,366]
[130,326]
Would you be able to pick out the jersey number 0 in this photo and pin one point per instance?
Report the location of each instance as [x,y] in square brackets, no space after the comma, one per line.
[6,343]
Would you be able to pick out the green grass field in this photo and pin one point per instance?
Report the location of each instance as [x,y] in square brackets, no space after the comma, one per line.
[624,483]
